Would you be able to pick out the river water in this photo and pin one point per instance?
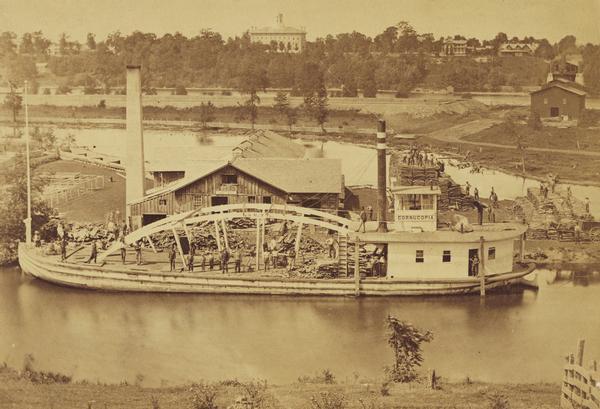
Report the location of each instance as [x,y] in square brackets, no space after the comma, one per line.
[169,338]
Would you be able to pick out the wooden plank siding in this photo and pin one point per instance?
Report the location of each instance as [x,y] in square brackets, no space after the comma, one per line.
[199,193]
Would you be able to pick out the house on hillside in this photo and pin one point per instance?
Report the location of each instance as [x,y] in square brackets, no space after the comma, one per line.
[517,49]
[558,98]
[285,38]
[312,183]
[453,47]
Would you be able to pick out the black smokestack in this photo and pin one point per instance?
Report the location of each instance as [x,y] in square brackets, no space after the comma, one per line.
[381,177]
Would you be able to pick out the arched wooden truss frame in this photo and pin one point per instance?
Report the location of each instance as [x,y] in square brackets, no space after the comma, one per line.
[218,215]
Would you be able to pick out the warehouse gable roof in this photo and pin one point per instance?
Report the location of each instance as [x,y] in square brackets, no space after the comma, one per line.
[288,175]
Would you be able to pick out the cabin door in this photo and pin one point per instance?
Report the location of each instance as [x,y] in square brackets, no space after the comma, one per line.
[473,270]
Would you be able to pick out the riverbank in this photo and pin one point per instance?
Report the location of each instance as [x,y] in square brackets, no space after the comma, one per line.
[18,391]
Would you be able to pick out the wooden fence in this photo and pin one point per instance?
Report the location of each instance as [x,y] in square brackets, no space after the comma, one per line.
[581,385]
[71,189]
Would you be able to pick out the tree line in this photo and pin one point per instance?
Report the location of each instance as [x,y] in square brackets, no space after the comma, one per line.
[398,59]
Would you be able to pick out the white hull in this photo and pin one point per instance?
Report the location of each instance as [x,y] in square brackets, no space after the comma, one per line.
[112,279]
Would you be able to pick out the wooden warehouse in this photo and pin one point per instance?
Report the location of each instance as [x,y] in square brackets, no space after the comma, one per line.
[558,98]
[313,183]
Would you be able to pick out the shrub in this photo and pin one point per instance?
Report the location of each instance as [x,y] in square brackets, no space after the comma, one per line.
[63,89]
[226,93]
[47,91]
[328,400]
[534,121]
[203,396]
[498,401]
[102,103]
[405,340]
[180,90]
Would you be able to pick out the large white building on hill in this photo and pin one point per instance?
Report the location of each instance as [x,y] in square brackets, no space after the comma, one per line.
[285,38]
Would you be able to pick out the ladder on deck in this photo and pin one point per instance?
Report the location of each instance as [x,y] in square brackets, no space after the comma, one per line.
[343,254]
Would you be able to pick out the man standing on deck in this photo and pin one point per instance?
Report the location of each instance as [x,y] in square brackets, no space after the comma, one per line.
[172,255]
[93,253]
[370,210]
[363,219]
[587,205]
[138,253]
[203,261]
[476,194]
[211,262]
[123,249]
[224,261]
[468,188]
[63,248]
[238,261]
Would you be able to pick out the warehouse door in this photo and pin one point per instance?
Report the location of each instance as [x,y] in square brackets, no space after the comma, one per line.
[554,112]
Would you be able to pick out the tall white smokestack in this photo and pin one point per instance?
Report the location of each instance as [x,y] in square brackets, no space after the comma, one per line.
[134,159]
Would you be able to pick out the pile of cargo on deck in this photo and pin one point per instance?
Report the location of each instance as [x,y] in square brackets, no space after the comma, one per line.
[403,174]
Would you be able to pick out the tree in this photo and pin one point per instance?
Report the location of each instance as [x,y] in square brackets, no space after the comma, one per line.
[405,340]
[544,50]
[26,46]
[7,43]
[535,121]
[253,78]
[13,204]
[13,101]
[282,103]
[44,138]
[207,113]
[291,116]
[91,41]
[567,44]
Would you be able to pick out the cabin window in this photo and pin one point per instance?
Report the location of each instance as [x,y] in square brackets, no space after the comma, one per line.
[420,256]
[267,199]
[229,179]
[427,202]
[492,253]
[251,199]
[545,101]
[446,256]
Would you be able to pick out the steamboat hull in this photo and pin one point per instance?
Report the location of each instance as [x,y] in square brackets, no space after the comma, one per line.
[112,279]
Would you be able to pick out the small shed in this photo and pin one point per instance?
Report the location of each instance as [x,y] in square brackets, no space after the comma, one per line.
[558,98]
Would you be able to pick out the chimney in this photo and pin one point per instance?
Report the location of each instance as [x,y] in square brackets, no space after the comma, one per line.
[381,177]
[134,150]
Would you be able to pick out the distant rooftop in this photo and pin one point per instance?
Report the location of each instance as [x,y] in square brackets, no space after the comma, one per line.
[279,28]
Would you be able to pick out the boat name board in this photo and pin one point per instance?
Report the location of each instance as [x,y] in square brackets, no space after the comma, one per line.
[415,217]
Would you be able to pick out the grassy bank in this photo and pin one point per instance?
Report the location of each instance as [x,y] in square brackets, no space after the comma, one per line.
[266,115]
[20,391]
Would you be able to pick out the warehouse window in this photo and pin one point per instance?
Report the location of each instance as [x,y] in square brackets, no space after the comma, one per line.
[251,199]
[545,101]
[564,101]
[197,201]
[492,253]
[229,179]
[446,256]
[267,199]
[420,256]
[162,202]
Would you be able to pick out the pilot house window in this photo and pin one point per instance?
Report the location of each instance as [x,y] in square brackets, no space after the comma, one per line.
[492,253]
[446,256]
[420,256]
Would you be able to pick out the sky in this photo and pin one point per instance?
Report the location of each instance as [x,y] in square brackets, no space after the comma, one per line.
[551,19]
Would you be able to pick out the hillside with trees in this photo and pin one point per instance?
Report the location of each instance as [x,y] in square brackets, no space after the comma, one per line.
[398,59]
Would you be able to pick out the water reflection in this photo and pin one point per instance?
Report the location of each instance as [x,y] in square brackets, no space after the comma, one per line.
[178,338]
